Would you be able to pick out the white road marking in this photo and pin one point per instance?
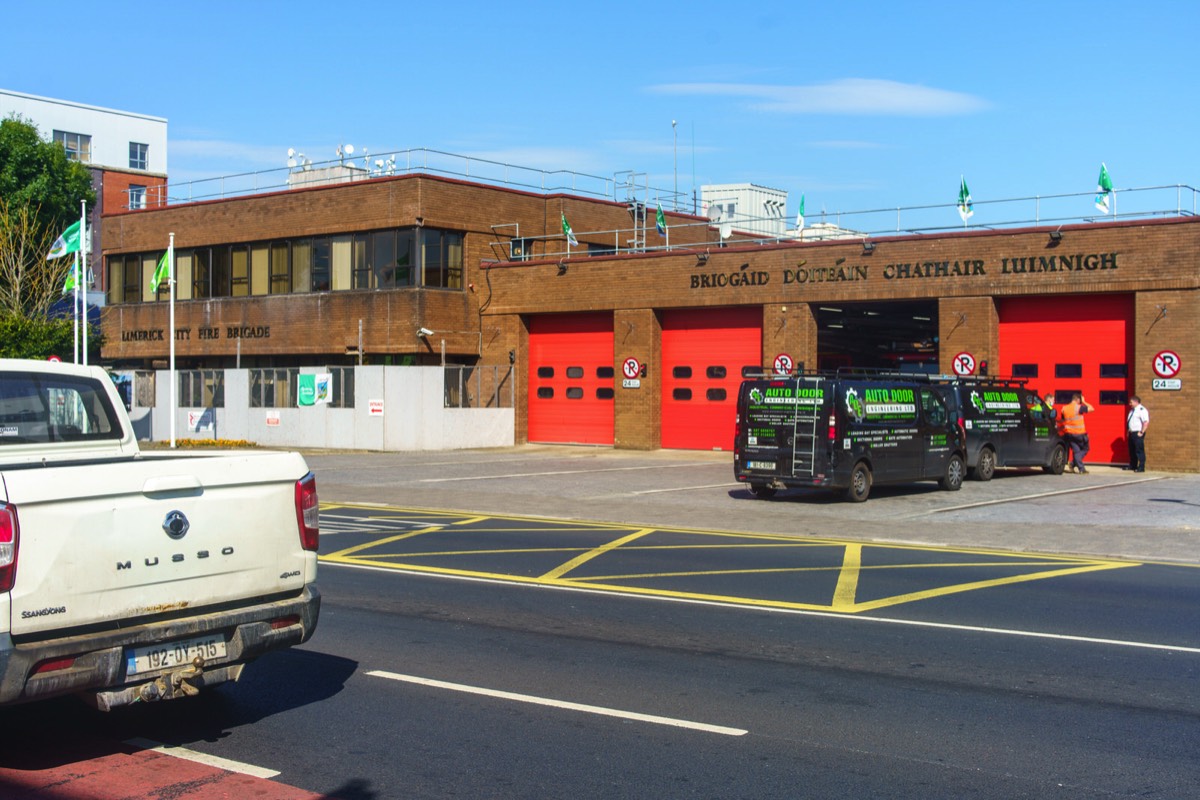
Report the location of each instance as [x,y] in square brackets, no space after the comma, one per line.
[1063,637]
[1036,496]
[203,758]
[558,472]
[545,701]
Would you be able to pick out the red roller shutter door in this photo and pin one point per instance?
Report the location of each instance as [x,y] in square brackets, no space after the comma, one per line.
[571,379]
[1091,333]
[703,352]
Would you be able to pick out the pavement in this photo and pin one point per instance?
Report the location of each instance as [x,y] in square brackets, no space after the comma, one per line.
[1108,513]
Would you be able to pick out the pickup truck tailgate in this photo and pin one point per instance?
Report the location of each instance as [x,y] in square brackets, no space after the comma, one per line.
[136,538]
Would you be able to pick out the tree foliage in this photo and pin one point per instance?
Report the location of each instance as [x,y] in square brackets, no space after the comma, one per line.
[41,338]
[36,173]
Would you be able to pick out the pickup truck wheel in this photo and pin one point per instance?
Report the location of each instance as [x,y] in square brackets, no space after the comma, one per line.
[956,470]
[761,491]
[1058,461]
[986,467]
[860,483]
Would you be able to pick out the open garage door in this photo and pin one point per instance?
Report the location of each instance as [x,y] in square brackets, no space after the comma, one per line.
[571,379]
[703,353]
[900,335]
[1075,343]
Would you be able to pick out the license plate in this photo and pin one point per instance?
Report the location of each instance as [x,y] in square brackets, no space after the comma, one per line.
[154,657]
[760,465]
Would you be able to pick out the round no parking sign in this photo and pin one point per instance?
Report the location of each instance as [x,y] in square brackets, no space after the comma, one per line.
[964,364]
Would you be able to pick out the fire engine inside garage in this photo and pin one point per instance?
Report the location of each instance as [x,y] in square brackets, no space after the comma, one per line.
[614,332]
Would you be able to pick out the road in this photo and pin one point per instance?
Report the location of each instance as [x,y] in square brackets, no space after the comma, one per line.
[493,646]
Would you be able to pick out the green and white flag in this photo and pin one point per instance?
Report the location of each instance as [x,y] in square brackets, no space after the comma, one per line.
[800,216]
[161,273]
[660,221]
[570,234]
[965,208]
[1104,189]
[67,243]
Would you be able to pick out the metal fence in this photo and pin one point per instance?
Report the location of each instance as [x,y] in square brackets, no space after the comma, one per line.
[479,387]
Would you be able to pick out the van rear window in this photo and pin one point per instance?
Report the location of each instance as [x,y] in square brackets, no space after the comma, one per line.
[39,408]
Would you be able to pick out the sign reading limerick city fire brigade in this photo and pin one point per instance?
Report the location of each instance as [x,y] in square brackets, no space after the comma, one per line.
[1166,364]
[964,364]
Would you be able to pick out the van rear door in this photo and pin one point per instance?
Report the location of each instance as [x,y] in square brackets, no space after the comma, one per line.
[936,428]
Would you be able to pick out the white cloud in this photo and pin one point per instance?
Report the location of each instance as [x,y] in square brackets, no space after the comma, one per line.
[845,96]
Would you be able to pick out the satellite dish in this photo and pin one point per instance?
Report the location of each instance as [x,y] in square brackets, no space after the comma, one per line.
[379,163]
[714,213]
[349,149]
[291,152]
[726,229]
[307,163]
[291,161]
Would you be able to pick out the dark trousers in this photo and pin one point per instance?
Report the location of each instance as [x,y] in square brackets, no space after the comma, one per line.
[1137,452]
[1079,447]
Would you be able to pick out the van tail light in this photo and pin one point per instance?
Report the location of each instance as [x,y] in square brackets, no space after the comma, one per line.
[10,535]
[833,427]
[308,512]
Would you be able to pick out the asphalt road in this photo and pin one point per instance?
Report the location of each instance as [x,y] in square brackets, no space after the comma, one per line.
[672,637]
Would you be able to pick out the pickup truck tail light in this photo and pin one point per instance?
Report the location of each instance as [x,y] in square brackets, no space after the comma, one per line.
[9,538]
[308,512]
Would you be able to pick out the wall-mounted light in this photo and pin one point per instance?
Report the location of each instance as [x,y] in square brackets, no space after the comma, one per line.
[1055,236]
[701,258]
[562,267]
[868,247]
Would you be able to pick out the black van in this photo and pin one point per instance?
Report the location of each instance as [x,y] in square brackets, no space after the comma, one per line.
[1006,425]
[846,432]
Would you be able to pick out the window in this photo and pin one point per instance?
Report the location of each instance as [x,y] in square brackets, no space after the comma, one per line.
[574,393]
[137,196]
[520,249]
[715,373]
[605,373]
[681,394]
[441,255]
[575,373]
[681,373]
[605,393]
[360,264]
[139,155]
[240,271]
[545,372]
[383,258]
[715,395]
[1025,370]
[1068,370]
[1110,397]
[202,388]
[281,273]
[322,260]
[77,145]
[1114,371]
[201,287]
[273,388]
[545,392]
[343,387]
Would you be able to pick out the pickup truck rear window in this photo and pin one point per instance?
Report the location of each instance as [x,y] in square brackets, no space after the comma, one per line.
[39,408]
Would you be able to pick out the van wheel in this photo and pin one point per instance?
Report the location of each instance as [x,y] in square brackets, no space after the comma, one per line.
[860,483]
[952,481]
[1058,461]
[761,491]
[986,467]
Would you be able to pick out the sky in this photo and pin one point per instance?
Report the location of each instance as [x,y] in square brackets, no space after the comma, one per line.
[852,105]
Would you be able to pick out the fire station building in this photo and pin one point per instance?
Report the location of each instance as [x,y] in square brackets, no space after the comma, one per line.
[631,339]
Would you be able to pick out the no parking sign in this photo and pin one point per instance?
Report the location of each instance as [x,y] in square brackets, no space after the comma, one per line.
[964,364]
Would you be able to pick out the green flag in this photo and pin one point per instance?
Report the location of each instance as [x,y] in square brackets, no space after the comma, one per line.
[660,221]
[1103,189]
[965,207]
[161,273]
[69,283]
[570,234]
[68,242]
[800,215]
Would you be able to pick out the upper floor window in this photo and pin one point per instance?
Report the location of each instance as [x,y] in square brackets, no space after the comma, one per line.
[137,196]
[77,145]
[139,155]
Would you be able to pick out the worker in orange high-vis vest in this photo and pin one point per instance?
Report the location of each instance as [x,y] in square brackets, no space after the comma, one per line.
[1074,430]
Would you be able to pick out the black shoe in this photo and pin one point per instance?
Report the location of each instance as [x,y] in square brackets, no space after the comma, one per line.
[1139,470]
[1082,471]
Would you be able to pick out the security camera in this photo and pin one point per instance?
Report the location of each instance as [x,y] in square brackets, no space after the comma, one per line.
[423,332]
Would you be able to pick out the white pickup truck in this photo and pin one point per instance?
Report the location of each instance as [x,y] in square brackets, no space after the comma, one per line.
[130,576]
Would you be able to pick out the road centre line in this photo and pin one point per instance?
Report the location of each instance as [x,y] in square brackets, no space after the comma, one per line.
[1024,497]
[506,476]
[676,489]
[562,704]
[777,610]
[203,758]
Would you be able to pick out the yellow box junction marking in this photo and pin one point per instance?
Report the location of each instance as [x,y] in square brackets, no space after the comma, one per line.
[850,569]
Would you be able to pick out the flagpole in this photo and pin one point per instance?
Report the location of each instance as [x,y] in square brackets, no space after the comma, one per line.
[171,328]
[81,270]
[75,305]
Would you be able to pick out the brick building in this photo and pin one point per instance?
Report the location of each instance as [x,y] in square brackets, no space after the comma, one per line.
[621,341]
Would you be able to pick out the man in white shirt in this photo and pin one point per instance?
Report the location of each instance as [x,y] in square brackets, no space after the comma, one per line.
[1136,424]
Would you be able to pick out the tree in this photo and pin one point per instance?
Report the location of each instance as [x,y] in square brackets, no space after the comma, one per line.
[40,195]
[37,174]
